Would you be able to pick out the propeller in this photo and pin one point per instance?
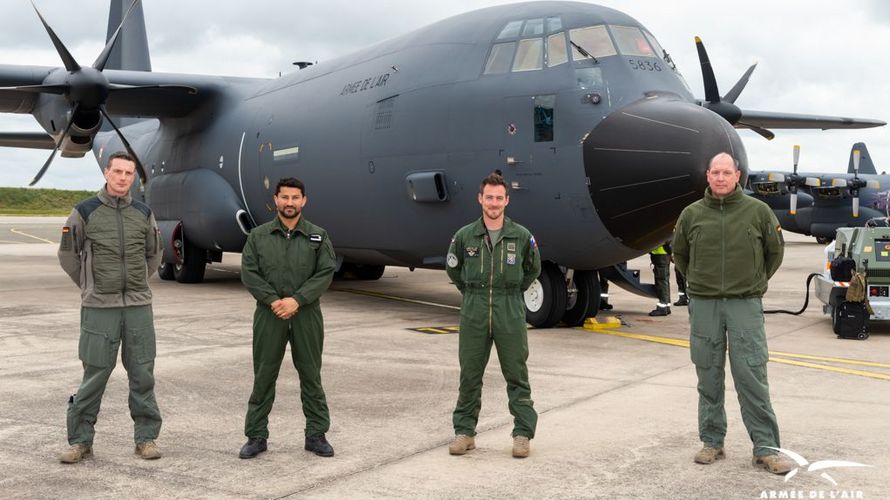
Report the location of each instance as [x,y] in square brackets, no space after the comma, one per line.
[87,89]
[855,184]
[725,106]
[792,181]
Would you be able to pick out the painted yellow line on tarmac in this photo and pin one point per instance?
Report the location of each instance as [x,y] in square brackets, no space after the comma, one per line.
[831,360]
[774,356]
[838,369]
[393,297]
[16,231]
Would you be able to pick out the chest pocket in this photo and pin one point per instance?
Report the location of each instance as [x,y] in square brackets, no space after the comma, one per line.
[511,261]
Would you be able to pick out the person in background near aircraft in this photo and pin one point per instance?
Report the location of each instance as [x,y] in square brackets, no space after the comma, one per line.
[492,261]
[728,245]
[110,246]
[286,265]
[682,299]
[604,294]
[661,268]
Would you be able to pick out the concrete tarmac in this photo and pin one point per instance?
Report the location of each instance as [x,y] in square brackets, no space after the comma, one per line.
[617,407]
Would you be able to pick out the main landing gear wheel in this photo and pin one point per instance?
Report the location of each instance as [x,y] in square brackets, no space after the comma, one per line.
[823,241]
[583,299]
[166,272]
[194,262]
[367,272]
[545,299]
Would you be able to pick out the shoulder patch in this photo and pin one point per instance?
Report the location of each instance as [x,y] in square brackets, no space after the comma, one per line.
[532,242]
[315,237]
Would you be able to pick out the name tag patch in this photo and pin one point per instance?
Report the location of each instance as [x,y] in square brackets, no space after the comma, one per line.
[315,237]
[511,246]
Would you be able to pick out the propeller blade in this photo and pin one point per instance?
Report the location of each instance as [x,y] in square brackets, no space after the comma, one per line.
[121,88]
[55,149]
[793,210]
[796,156]
[734,92]
[102,60]
[139,168]
[856,206]
[712,94]
[67,58]
[40,89]
[766,134]
[813,182]
[873,184]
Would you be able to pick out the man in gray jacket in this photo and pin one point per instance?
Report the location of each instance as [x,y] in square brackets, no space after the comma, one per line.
[110,246]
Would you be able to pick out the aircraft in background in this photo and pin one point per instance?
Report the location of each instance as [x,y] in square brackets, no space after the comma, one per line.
[824,202]
[583,110]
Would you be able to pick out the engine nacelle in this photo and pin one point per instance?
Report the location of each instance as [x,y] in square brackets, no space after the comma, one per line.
[80,138]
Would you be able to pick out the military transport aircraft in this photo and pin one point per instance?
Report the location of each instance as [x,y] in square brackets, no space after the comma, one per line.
[583,110]
[824,202]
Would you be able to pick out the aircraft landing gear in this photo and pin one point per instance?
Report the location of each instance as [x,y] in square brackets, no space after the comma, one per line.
[545,299]
[194,262]
[165,271]
[823,240]
[367,272]
[583,298]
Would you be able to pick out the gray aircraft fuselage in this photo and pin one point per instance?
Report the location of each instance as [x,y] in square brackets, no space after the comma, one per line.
[606,188]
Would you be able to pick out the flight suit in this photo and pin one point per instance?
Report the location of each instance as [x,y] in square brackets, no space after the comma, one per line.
[492,276]
[728,249]
[278,263]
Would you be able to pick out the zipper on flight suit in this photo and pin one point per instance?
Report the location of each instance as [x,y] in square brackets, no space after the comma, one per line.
[488,244]
[120,238]
[722,247]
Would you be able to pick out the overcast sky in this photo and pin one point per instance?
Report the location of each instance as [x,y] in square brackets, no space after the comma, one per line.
[816,57]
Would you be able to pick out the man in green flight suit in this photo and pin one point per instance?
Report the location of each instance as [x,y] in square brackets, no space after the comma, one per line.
[492,261]
[286,265]
[728,245]
[110,246]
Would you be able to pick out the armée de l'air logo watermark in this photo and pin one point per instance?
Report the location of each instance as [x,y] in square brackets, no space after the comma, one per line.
[820,468]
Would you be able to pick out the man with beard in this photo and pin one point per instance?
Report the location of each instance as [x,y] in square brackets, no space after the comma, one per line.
[492,261]
[286,265]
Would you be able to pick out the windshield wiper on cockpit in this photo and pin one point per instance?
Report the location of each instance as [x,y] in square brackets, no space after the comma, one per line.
[667,59]
[583,52]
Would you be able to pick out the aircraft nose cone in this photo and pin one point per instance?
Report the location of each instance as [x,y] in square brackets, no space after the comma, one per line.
[646,162]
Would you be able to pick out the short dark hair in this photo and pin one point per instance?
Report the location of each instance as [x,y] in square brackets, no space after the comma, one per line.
[291,182]
[120,155]
[494,179]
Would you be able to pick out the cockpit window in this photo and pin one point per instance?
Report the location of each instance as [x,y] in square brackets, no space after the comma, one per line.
[659,51]
[593,39]
[533,27]
[500,58]
[529,55]
[553,24]
[631,42]
[511,30]
[556,50]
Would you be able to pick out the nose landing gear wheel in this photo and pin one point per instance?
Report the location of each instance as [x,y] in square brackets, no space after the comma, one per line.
[545,299]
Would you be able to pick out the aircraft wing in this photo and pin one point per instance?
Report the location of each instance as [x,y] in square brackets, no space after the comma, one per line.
[131,93]
[30,140]
[768,120]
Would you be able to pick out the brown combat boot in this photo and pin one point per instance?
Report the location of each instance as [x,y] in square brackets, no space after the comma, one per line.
[461,444]
[777,464]
[708,455]
[148,450]
[76,453]
[521,447]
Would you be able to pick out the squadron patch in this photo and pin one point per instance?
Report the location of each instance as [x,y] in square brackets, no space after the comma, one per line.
[315,237]
[532,242]
[472,251]
[511,258]
[451,260]
[67,239]
[511,246]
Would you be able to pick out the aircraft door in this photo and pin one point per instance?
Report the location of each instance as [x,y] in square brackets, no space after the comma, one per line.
[528,133]
[256,156]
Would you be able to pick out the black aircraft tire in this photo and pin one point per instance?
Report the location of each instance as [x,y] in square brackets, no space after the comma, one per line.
[835,327]
[368,272]
[545,300]
[166,271]
[587,302]
[823,241]
[193,265]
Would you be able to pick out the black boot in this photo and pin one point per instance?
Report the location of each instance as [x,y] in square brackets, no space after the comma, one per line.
[252,448]
[319,445]
[605,306]
[660,311]
[682,301]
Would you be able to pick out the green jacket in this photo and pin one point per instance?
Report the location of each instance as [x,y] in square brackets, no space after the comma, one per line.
[277,263]
[110,246]
[728,248]
[510,263]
